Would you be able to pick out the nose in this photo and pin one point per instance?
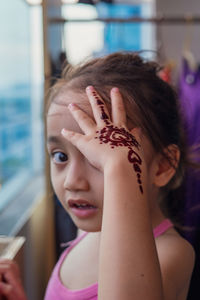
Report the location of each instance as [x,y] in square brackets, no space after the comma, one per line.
[76,177]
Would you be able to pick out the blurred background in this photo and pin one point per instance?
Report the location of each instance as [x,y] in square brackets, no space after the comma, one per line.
[37,38]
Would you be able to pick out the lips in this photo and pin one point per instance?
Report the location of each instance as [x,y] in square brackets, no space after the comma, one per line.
[82,208]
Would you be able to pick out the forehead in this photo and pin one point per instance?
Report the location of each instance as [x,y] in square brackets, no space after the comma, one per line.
[59,116]
[66,97]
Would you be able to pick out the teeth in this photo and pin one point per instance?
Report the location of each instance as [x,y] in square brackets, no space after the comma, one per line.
[81,205]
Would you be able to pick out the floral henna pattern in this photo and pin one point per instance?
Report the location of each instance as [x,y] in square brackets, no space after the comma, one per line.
[118,137]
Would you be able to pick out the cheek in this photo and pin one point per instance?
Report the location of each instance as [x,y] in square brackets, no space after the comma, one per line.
[97,182]
[56,180]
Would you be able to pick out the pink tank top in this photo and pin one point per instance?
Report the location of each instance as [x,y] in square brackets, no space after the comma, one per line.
[57,291]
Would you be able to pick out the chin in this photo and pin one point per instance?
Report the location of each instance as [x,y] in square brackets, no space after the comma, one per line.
[88,225]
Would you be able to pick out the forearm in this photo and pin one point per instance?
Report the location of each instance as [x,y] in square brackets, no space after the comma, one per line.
[129,267]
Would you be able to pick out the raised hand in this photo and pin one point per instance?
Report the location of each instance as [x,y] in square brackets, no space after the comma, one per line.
[106,139]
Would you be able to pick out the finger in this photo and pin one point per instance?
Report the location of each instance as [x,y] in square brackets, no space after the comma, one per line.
[73,137]
[6,290]
[118,111]
[99,108]
[8,266]
[12,278]
[12,287]
[4,268]
[84,121]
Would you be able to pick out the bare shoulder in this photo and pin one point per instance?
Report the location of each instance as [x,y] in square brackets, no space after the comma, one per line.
[176,257]
[172,247]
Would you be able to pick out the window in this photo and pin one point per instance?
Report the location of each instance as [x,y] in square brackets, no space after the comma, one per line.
[21,92]
[83,39]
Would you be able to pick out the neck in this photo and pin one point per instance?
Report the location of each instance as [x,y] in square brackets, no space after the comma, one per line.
[156,214]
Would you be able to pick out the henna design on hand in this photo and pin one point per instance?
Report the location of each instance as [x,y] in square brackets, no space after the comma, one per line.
[118,137]
[100,103]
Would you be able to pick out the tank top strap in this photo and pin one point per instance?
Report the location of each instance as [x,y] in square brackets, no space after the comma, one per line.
[162,227]
[72,243]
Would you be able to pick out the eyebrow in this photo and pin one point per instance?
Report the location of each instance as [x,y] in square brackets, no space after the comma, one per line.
[53,139]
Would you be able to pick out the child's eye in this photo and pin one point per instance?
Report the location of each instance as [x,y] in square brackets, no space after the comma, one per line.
[59,157]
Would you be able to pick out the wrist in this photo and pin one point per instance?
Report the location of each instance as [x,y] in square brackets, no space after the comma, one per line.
[125,173]
[118,166]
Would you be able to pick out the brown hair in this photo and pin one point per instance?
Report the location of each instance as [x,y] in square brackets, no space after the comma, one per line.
[151,103]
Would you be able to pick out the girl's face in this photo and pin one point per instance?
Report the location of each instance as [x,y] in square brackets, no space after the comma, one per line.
[77,184]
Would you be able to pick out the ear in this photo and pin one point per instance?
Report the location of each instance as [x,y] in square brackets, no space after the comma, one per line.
[166,165]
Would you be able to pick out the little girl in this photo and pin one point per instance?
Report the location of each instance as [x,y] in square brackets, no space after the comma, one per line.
[116,148]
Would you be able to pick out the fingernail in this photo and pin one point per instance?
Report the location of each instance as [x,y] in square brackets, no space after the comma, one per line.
[63,131]
[115,90]
[67,133]
[90,88]
[71,106]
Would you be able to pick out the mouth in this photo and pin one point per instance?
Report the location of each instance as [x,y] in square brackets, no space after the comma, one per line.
[81,204]
[82,208]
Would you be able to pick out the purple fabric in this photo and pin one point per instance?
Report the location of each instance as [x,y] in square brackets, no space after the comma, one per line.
[189,95]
